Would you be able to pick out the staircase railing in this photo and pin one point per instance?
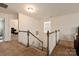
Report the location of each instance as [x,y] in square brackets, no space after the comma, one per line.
[55,34]
[48,34]
[36,38]
[28,32]
[27,36]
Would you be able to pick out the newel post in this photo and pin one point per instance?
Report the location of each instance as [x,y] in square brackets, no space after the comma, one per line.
[56,36]
[47,43]
[28,38]
[42,46]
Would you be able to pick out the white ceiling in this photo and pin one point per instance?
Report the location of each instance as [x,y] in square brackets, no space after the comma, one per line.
[42,9]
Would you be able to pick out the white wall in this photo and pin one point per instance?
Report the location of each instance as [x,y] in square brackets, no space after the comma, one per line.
[67,25]
[29,23]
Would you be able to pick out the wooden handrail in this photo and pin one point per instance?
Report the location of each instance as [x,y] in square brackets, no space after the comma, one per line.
[37,38]
[28,32]
[22,31]
[54,31]
[55,34]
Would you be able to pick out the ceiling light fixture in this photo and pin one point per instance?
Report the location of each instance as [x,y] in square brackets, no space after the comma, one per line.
[30,9]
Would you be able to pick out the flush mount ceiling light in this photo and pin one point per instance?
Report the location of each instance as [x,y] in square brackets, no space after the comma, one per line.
[30,9]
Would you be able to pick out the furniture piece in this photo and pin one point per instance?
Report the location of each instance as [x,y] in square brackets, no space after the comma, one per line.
[76,42]
[13,31]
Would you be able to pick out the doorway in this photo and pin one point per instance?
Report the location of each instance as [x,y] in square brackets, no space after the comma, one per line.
[2,29]
[14,29]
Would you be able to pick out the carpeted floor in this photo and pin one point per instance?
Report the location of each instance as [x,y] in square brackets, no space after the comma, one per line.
[14,48]
[64,48]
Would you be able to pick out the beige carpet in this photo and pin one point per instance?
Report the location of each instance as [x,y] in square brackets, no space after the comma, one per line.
[14,48]
[64,48]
